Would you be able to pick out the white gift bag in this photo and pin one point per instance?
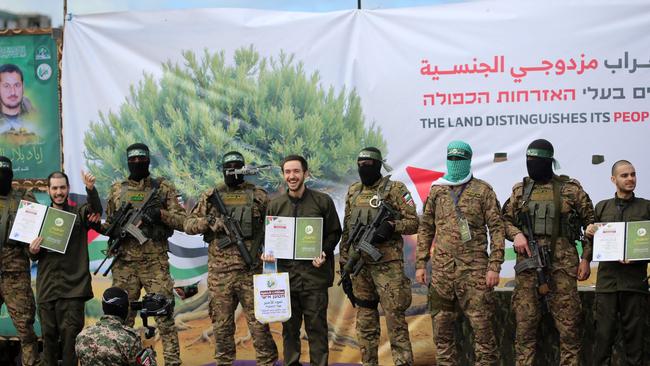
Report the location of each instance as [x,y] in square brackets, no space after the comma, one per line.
[272,297]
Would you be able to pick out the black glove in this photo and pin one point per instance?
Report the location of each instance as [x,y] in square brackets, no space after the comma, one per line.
[151,215]
[383,233]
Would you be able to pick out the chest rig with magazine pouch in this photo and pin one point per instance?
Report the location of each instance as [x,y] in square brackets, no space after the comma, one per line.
[365,205]
[543,203]
[157,231]
[8,208]
[240,207]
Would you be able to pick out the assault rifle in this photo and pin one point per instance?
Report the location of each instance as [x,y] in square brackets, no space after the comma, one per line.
[540,258]
[248,170]
[233,226]
[126,223]
[360,240]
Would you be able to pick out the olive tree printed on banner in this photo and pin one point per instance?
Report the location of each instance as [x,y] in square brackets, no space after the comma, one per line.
[264,108]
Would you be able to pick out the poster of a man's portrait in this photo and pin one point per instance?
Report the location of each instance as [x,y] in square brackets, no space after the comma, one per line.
[30,132]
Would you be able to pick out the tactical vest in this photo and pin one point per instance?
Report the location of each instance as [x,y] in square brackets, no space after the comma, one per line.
[240,207]
[8,208]
[365,205]
[544,206]
[157,231]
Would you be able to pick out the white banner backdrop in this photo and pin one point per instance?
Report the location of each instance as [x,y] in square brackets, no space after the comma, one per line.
[496,74]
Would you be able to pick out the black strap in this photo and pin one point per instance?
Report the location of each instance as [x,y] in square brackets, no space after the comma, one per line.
[456,198]
[557,187]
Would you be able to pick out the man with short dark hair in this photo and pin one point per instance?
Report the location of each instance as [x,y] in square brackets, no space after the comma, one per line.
[15,279]
[309,280]
[147,264]
[63,284]
[110,342]
[13,104]
[621,287]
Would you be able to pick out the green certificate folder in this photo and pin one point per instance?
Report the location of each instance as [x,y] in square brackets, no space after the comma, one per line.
[309,237]
[56,230]
[637,240]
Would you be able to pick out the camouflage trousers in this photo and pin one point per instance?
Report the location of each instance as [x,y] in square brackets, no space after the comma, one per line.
[153,275]
[563,304]
[16,292]
[226,291]
[465,290]
[61,321]
[386,284]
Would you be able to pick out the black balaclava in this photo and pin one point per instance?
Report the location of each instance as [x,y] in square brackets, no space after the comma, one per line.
[139,170]
[370,174]
[115,301]
[232,160]
[6,175]
[539,160]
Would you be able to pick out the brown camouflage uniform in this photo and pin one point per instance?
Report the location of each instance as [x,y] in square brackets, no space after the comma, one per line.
[383,281]
[563,301]
[108,343]
[230,281]
[458,269]
[147,265]
[15,279]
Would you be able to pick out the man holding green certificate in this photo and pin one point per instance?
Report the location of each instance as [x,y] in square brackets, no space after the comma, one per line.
[63,284]
[621,287]
[15,281]
[308,279]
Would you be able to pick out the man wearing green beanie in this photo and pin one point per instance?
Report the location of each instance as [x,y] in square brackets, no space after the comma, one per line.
[458,213]
[380,281]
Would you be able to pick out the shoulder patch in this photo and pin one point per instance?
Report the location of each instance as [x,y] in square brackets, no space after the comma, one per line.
[408,199]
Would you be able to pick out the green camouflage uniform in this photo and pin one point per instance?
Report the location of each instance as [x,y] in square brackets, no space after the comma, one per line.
[563,301]
[382,281]
[108,343]
[230,281]
[458,269]
[15,279]
[147,265]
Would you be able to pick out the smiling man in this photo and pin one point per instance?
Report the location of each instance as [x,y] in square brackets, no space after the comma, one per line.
[308,280]
[63,283]
[621,287]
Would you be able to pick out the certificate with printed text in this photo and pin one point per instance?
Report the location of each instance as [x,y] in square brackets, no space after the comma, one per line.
[309,237]
[56,230]
[28,221]
[638,241]
[609,242]
[279,236]
[299,238]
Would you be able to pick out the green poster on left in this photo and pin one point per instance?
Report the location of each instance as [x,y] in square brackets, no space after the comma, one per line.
[29,101]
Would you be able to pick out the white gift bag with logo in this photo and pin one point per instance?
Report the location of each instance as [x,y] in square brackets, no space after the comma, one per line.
[272,297]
